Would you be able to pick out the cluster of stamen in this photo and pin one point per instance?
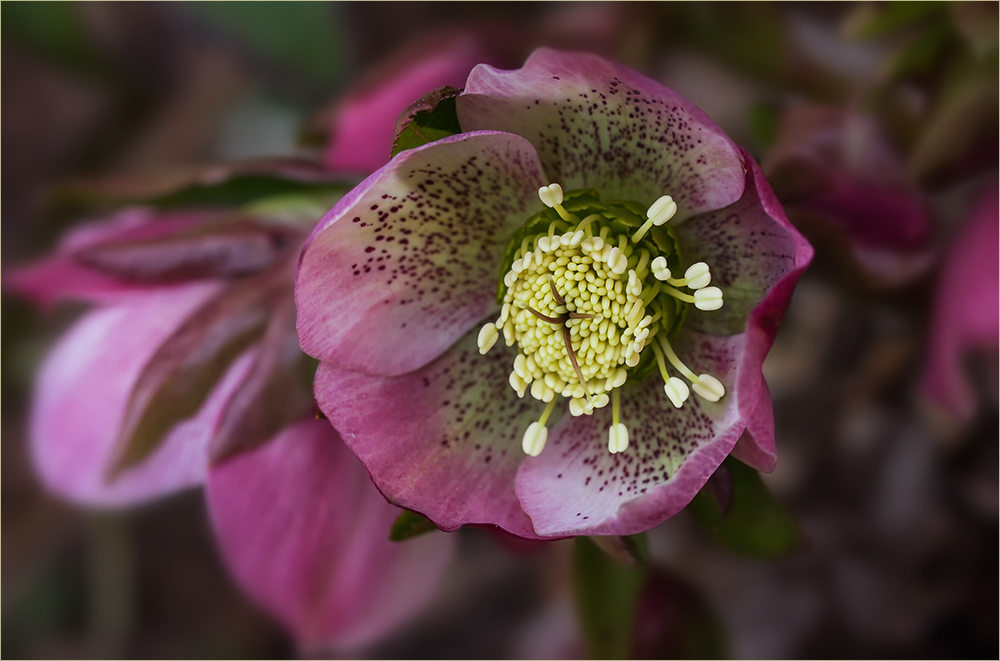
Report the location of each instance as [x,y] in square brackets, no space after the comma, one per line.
[582,302]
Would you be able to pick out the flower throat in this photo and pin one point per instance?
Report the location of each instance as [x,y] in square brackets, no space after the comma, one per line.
[589,298]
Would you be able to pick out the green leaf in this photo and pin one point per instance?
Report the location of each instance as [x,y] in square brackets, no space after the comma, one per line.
[606,592]
[410,524]
[630,550]
[756,525]
[430,118]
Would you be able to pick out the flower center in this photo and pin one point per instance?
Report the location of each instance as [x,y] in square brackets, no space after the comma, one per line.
[585,293]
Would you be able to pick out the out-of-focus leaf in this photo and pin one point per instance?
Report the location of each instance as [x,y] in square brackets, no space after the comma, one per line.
[606,593]
[186,367]
[964,119]
[756,526]
[430,118]
[226,185]
[301,35]
[272,395]
[977,23]
[226,249]
[749,36]
[410,524]
[630,550]
[869,20]
[54,28]
[764,124]
[923,52]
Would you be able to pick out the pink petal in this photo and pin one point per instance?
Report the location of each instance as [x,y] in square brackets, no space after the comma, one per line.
[576,487]
[965,316]
[599,124]
[361,136]
[81,395]
[756,257]
[409,260]
[444,440]
[62,276]
[307,535]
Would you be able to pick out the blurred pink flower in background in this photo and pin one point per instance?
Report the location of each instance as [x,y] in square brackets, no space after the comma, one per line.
[965,316]
[188,372]
[843,183]
[401,272]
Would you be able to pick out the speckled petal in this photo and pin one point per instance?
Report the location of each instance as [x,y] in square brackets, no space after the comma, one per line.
[599,124]
[408,261]
[444,440]
[577,487]
[81,395]
[307,535]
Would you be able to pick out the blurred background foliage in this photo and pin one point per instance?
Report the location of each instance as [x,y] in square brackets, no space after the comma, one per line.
[884,516]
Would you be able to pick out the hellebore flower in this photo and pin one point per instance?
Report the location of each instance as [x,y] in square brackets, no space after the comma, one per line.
[965,313]
[635,262]
[189,372]
[842,182]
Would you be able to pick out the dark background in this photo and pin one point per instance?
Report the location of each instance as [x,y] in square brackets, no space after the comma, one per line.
[899,512]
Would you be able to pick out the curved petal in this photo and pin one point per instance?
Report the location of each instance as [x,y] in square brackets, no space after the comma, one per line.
[61,276]
[965,309]
[601,125]
[444,440]
[406,263]
[81,395]
[576,487]
[307,536]
[756,257]
[361,135]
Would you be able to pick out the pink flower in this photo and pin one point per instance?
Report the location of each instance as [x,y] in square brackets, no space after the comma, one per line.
[841,180]
[965,313]
[188,372]
[397,280]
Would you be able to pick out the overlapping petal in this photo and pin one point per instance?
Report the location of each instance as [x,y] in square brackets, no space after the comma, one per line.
[600,125]
[81,395]
[307,535]
[444,440]
[410,257]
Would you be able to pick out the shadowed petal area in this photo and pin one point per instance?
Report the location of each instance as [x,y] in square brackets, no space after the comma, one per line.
[307,535]
[405,264]
[577,487]
[81,395]
[444,440]
[965,309]
[756,257]
[598,124]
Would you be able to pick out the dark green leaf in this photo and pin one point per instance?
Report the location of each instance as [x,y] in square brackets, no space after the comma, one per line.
[410,524]
[606,592]
[757,525]
[431,118]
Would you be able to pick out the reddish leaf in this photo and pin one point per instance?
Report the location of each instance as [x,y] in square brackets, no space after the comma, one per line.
[186,367]
[272,396]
